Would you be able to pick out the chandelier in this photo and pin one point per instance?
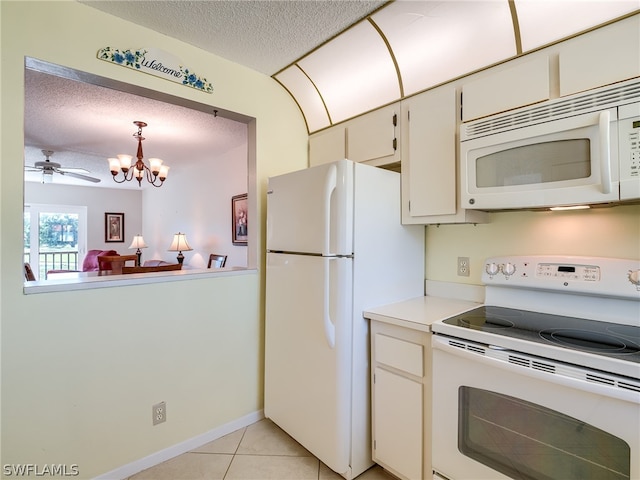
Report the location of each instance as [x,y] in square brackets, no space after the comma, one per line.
[154,174]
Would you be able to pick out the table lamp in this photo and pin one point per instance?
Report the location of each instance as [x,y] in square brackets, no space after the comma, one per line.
[138,242]
[179,244]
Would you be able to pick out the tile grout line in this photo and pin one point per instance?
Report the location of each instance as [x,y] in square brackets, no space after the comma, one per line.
[235,452]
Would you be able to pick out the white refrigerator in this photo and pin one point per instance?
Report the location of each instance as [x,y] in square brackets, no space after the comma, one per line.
[335,247]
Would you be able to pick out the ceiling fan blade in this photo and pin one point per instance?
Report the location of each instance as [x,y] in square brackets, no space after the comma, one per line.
[79,176]
[29,168]
[73,170]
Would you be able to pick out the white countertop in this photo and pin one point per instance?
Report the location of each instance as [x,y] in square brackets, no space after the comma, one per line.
[420,312]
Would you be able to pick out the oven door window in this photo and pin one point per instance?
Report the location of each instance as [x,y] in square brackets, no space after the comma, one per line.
[527,441]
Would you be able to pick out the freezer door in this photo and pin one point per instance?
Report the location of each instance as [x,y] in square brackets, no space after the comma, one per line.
[308,353]
[311,210]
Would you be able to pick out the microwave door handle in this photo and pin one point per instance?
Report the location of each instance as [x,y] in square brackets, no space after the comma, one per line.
[605,155]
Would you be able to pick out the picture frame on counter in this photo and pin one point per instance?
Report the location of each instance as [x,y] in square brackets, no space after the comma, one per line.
[114,227]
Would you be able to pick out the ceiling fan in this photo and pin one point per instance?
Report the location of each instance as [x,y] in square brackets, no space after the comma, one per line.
[48,168]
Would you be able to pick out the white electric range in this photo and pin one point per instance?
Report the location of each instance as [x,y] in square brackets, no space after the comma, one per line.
[543,380]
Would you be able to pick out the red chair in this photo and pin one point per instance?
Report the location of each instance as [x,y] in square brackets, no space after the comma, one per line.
[90,263]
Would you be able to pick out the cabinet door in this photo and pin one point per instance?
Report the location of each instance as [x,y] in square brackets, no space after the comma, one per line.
[429,179]
[327,146]
[397,423]
[431,153]
[506,88]
[604,56]
[372,137]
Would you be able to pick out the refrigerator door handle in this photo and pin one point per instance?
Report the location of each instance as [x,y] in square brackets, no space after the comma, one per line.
[331,183]
[329,327]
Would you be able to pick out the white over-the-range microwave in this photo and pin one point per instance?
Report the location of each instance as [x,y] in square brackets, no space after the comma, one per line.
[577,150]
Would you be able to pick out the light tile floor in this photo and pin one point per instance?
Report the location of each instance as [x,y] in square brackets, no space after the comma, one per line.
[261,451]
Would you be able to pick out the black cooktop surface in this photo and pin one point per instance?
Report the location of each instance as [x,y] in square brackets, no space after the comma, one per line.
[601,338]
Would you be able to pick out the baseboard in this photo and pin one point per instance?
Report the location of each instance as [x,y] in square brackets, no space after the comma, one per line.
[180,448]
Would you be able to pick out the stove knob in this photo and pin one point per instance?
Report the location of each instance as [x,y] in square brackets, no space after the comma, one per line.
[634,277]
[492,268]
[508,269]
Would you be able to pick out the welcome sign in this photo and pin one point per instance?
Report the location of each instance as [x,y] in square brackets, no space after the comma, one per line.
[155,62]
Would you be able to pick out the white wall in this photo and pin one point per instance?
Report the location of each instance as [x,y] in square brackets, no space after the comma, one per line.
[81,369]
[197,203]
[98,202]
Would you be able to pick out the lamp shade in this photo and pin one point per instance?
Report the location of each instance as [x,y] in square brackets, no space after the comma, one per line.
[138,242]
[179,243]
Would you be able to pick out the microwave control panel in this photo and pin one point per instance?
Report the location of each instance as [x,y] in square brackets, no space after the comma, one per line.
[629,145]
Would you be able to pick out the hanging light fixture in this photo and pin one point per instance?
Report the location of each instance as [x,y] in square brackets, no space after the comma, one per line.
[156,171]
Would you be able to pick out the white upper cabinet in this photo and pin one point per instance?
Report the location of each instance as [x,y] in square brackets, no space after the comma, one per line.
[373,138]
[497,91]
[429,181]
[327,146]
[607,55]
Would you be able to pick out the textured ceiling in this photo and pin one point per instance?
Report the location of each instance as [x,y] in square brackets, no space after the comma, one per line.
[263,35]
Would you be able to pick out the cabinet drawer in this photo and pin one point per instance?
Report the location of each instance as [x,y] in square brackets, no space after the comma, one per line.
[400,354]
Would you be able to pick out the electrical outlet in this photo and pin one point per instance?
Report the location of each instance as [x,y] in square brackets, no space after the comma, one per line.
[463,266]
[159,413]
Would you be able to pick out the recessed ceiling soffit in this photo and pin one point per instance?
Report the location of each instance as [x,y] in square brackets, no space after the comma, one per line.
[410,46]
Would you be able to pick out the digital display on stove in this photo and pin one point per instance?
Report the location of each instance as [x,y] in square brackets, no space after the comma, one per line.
[563,268]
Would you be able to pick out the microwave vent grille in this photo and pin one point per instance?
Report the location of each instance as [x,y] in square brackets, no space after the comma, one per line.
[555,109]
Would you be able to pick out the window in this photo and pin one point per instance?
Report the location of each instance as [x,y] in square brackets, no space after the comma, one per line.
[54,237]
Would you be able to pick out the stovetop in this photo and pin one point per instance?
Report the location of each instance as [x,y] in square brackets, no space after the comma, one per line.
[621,342]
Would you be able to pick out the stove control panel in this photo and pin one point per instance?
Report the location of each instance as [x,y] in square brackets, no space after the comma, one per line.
[591,275]
[585,273]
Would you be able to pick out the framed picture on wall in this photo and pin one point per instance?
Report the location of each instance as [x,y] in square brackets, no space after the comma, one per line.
[114,227]
[239,219]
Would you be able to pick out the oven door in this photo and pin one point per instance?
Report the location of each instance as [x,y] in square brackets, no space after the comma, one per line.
[561,162]
[494,419]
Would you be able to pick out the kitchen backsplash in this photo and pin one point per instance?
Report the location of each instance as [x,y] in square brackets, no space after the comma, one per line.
[601,232]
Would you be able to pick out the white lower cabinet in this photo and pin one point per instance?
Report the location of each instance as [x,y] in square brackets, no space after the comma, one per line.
[401,411]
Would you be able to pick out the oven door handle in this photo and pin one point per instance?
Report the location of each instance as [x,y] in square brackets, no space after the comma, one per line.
[481,354]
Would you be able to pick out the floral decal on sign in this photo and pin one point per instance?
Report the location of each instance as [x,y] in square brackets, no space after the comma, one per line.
[127,58]
[155,62]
